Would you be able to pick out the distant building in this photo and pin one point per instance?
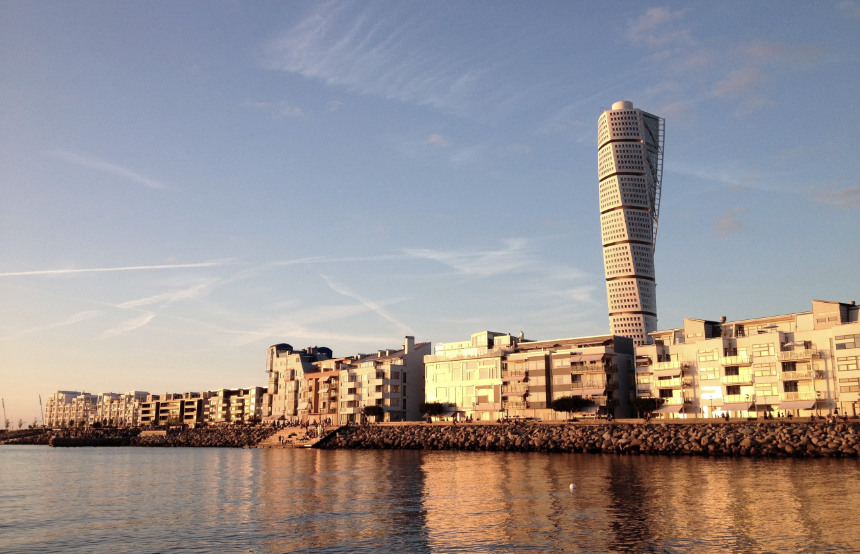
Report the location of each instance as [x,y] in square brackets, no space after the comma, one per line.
[310,385]
[495,375]
[286,368]
[630,168]
[119,410]
[232,406]
[184,408]
[800,364]
[69,409]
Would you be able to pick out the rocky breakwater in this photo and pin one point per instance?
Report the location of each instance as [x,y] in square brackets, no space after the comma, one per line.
[230,437]
[764,439]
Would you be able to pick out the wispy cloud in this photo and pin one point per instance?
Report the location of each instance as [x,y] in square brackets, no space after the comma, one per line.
[167,298]
[371,305]
[375,54]
[108,269]
[109,168]
[483,263]
[128,326]
[730,222]
[658,28]
[71,320]
[436,140]
[278,110]
[845,198]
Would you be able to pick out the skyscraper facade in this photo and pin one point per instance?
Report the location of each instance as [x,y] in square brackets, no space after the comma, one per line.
[630,168]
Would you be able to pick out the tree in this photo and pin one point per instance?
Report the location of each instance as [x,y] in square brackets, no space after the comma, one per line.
[571,404]
[432,409]
[645,405]
[374,411]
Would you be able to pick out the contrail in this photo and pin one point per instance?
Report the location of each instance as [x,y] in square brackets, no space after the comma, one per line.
[105,269]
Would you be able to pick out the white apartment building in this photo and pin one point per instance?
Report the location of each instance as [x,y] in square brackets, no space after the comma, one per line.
[310,385]
[119,409]
[69,409]
[231,406]
[286,369]
[495,375]
[630,169]
[798,364]
[181,408]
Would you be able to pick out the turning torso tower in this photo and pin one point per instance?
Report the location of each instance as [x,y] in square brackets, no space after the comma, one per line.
[630,169]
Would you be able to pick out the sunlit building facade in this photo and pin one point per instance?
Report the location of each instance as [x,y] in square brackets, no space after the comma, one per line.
[630,167]
[798,364]
[236,406]
[311,385]
[181,408]
[495,375]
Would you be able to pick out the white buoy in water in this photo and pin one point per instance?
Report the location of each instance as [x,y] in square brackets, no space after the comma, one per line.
[572,486]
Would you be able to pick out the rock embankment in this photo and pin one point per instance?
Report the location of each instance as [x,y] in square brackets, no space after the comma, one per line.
[771,439]
[230,437]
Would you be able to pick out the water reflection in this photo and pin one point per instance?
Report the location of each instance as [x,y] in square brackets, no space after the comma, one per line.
[347,501]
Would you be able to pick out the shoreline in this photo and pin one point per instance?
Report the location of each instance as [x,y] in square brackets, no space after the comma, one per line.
[719,439]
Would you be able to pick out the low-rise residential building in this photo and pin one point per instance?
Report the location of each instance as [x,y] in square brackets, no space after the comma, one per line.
[796,364]
[495,375]
[185,408]
[70,408]
[286,369]
[310,385]
[119,409]
[232,406]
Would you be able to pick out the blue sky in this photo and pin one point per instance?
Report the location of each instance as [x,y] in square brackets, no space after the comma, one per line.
[186,183]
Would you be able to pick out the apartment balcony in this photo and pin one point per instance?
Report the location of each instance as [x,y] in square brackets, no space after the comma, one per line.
[742,379]
[740,359]
[801,375]
[671,364]
[676,401]
[796,355]
[515,405]
[592,369]
[801,395]
[674,383]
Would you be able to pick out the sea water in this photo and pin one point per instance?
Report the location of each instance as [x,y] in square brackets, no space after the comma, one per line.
[288,500]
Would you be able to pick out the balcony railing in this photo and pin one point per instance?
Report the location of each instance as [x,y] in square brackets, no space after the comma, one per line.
[792,355]
[677,382]
[743,378]
[672,364]
[800,375]
[802,395]
[739,359]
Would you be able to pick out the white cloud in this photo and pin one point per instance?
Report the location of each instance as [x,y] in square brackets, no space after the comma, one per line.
[71,320]
[371,305]
[483,263]
[371,54]
[128,326]
[658,28]
[170,297]
[108,269]
[108,167]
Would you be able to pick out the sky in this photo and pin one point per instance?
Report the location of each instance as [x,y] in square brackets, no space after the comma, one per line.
[187,183]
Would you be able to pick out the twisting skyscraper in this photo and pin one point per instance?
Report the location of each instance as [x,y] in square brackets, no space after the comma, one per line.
[630,168]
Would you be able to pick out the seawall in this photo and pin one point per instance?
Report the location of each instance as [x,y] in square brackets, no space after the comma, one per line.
[766,439]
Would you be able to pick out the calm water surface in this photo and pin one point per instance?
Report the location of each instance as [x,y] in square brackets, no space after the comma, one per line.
[262,500]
